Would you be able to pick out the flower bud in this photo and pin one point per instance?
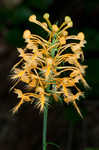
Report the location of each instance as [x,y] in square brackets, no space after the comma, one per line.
[26,34]
[32,18]
[46,16]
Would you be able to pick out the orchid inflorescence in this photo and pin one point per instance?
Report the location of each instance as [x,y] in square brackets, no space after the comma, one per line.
[50,68]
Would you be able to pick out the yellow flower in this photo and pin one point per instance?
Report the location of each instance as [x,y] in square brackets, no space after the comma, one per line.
[50,67]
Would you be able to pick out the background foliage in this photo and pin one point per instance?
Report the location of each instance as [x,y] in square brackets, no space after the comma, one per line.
[27,124]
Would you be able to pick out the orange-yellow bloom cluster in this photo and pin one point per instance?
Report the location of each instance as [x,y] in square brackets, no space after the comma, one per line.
[50,67]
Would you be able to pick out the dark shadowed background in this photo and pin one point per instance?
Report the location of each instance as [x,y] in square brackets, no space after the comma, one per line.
[23,131]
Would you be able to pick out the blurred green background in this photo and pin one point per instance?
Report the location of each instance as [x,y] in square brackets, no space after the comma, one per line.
[24,130]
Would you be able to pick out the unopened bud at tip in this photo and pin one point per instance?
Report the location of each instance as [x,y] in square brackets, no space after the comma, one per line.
[26,34]
[67,19]
[46,16]
[32,18]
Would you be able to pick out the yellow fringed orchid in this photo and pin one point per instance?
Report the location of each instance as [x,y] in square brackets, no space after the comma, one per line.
[48,68]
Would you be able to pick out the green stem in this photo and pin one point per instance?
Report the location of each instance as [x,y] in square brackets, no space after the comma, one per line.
[45,127]
[46,107]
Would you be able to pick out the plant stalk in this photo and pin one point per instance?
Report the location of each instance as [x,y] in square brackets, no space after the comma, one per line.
[45,127]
